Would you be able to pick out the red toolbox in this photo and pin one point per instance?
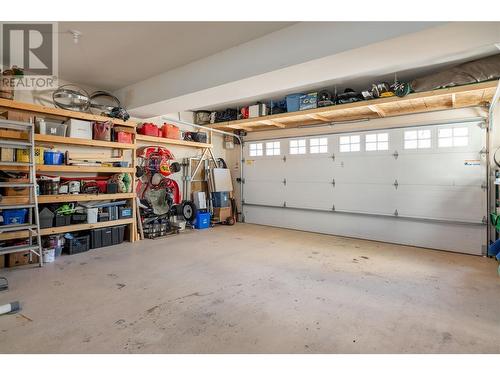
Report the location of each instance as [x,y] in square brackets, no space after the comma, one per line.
[149,129]
[170,131]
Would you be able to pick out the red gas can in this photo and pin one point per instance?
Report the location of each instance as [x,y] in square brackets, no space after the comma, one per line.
[170,131]
[149,129]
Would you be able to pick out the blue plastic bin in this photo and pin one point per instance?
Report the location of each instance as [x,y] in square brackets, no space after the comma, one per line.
[293,102]
[14,216]
[221,199]
[202,220]
[53,158]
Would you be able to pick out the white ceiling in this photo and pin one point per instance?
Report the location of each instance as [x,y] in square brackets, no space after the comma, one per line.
[112,55]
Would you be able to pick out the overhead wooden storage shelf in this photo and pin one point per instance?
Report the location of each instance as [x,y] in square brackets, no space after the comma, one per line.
[449,98]
[155,140]
[38,109]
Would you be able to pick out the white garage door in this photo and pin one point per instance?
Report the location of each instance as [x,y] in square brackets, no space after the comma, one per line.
[422,186]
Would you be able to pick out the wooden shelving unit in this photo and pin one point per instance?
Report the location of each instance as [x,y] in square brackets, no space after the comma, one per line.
[449,98]
[33,110]
[149,139]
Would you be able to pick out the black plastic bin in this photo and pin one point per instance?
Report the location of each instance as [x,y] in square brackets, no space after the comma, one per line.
[118,234]
[77,245]
[62,220]
[101,237]
[78,218]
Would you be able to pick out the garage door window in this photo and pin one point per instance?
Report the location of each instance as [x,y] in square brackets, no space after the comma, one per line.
[272,148]
[255,149]
[453,137]
[417,139]
[318,145]
[377,142]
[298,146]
[350,143]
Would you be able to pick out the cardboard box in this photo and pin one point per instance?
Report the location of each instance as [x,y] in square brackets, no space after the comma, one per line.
[222,214]
[17,191]
[6,154]
[17,115]
[21,258]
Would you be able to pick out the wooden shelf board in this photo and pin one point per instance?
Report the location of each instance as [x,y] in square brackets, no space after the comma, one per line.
[78,227]
[69,169]
[448,98]
[60,198]
[12,104]
[65,229]
[82,169]
[43,139]
[178,142]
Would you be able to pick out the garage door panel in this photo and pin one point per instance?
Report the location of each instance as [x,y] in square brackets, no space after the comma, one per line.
[309,195]
[441,169]
[263,192]
[264,169]
[364,198]
[441,202]
[367,169]
[319,169]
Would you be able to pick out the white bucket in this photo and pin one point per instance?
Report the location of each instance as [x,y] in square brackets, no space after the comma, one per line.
[92,214]
[49,255]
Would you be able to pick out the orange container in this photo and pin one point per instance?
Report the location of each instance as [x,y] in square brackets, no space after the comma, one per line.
[170,131]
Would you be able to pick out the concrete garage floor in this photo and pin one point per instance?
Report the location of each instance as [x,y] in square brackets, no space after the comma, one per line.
[255,289]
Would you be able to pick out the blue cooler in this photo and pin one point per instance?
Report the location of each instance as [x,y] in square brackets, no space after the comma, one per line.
[202,220]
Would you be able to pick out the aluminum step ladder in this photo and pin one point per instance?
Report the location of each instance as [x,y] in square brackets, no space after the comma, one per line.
[30,231]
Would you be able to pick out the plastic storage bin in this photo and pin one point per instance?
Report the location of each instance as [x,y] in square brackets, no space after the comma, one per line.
[53,158]
[293,102]
[14,216]
[62,220]
[101,237]
[76,245]
[202,220]
[79,129]
[50,128]
[221,199]
[118,234]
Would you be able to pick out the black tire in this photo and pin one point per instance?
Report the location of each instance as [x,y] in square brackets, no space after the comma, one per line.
[189,211]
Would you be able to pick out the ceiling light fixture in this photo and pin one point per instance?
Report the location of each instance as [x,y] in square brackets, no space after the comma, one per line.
[76,35]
